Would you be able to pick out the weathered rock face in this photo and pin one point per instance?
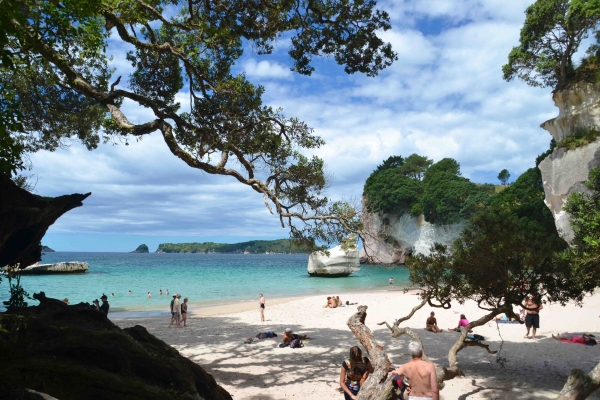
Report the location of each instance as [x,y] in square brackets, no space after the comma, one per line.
[75,352]
[390,238]
[341,262]
[58,268]
[565,171]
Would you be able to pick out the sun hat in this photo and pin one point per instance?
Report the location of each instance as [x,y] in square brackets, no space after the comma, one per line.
[288,330]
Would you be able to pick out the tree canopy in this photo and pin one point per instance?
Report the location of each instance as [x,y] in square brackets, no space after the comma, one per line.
[419,186]
[63,89]
[550,37]
[504,176]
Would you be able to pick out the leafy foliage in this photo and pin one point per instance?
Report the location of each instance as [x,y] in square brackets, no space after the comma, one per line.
[580,138]
[504,176]
[584,211]
[441,195]
[545,154]
[550,37]
[18,295]
[62,90]
[506,252]
[391,162]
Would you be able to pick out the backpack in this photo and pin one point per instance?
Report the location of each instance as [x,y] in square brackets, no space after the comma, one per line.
[295,344]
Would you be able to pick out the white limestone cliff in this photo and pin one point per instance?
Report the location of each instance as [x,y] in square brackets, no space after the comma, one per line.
[564,172]
[58,268]
[389,239]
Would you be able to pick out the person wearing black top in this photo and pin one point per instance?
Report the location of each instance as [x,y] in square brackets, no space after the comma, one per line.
[105,306]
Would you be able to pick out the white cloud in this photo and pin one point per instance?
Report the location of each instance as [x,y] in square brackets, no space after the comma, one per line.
[266,69]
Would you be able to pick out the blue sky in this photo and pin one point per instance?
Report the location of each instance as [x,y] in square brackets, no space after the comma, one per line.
[444,97]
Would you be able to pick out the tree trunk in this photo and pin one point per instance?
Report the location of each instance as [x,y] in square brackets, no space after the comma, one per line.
[580,385]
[377,386]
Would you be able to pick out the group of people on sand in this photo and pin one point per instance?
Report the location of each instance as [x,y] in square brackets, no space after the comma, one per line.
[432,326]
[179,311]
[421,374]
[335,302]
[288,337]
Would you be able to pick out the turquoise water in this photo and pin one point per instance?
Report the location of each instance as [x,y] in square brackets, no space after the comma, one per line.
[206,279]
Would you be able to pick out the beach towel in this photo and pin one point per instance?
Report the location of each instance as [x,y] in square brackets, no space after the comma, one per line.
[507,322]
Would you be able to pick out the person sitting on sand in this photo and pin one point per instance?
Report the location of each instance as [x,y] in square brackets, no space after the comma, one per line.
[355,370]
[328,305]
[289,335]
[339,301]
[584,338]
[332,302]
[462,322]
[431,324]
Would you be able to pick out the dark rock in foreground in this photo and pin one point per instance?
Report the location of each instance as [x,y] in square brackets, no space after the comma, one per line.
[142,248]
[71,267]
[75,352]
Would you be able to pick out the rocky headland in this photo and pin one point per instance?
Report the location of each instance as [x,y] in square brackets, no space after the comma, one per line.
[566,169]
[342,260]
[47,249]
[390,239]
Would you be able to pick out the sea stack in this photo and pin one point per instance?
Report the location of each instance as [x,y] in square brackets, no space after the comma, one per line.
[142,248]
[342,260]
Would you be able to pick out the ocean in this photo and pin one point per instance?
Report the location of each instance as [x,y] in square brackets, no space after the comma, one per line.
[206,279]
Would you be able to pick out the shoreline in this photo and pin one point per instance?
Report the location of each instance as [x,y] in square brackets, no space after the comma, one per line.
[210,309]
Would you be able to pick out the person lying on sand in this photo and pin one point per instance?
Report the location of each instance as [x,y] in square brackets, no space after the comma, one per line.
[350,304]
[431,324]
[584,338]
[261,336]
[289,335]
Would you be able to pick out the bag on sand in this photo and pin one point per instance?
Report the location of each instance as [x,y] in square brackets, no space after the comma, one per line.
[295,344]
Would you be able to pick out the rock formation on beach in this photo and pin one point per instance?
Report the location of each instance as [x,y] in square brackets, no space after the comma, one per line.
[565,170]
[75,352]
[142,248]
[389,239]
[58,268]
[342,260]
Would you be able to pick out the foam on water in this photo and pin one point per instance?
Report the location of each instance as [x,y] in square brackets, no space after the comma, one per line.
[206,279]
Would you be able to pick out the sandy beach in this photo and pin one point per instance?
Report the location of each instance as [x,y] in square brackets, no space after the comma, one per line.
[534,369]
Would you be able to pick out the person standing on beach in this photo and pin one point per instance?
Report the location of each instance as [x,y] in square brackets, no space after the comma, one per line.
[262,307]
[421,375]
[532,319]
[184,311]
[173,317]
[105,306]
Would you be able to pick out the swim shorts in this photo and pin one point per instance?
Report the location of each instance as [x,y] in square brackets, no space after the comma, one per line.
[262,306]
[532,320]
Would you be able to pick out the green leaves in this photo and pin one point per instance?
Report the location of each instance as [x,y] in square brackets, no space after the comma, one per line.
[550,37]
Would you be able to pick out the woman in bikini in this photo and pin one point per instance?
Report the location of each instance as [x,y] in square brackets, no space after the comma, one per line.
[262,307]
[355,370]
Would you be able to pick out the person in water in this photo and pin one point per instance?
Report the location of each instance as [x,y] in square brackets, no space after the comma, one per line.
[355,370]
[391,281]
[149,295]
[160,292]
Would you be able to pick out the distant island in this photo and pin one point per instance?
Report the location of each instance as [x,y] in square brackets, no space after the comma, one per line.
[279,246]
[47,249]
[142,248]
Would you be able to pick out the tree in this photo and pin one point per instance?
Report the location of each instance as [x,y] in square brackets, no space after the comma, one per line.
[390,191]
[504,176]
[550,37]
[63,87]
[415,166]
[391,162]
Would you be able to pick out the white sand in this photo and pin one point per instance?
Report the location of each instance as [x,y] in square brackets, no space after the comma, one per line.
[535,369]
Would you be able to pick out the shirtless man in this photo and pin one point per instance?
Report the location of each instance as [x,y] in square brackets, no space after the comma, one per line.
[420,374]
[532,319]
[431,324]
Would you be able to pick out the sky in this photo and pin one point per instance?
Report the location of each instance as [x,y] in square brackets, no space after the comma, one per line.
[444,97]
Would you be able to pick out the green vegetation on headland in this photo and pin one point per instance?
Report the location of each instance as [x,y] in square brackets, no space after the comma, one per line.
[416,185]
[47,249]
[142,248]
[279,246]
